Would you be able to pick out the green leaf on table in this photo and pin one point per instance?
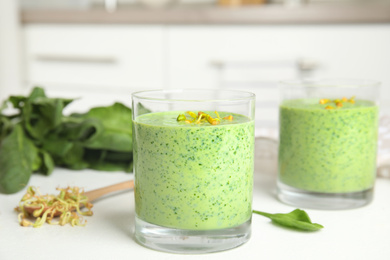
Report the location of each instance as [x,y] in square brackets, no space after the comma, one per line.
[58,148]
[47,165]
[296,219]
[65,153]
[17,156]
[111,166]
[106,160]
[17,101]
[118,156]
[37,163]
[66,143]
[3,106]
[42,115]
[74,159]
[36,92]
[79,129]
[20,101]
[117,128]
[5,127]
[100,139]
[39,113]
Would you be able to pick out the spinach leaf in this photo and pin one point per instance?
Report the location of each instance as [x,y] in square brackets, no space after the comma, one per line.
[38,137]
[5,127]
[111,166]
[296,219]
[117,128]
[65,153]
[106,160]
[66,143]
[47,165]
[37,163]
[37,92]
[57,148]
[17,156]
[3,106]
[17,101]
[78,129]
[74,159]
[42,115]
[20,101]
[39,113]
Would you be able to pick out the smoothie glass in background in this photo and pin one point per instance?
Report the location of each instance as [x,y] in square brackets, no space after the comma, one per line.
[328,143]
[193,176]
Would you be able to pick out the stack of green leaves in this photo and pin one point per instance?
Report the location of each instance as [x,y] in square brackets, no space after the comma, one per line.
[38,137]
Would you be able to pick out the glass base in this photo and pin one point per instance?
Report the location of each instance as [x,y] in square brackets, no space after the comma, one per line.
[190,241]
[316,200]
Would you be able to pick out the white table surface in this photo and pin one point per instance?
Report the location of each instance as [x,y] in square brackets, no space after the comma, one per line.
[362,233]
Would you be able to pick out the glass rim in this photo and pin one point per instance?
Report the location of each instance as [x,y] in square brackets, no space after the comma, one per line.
[138,94]
[331,82]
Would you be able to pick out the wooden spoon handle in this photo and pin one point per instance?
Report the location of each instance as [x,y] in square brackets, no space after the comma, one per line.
[95,194]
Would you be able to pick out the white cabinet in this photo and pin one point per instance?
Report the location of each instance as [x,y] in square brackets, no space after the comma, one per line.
[340,50]
[125,58]
[277,52]
[95,58]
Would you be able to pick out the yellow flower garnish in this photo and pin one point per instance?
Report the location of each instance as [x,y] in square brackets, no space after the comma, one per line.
[203,118]
[213,121]
[324,101]
[217,114]
[192,114]
[337,102]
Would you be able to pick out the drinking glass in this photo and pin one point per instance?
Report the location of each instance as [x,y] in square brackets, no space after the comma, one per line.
[328,143]
[193,165]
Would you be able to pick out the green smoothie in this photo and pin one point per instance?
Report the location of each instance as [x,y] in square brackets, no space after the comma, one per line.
[328,150]
[193,176]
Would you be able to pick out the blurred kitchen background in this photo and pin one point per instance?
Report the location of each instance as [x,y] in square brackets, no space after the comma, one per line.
[107,49]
